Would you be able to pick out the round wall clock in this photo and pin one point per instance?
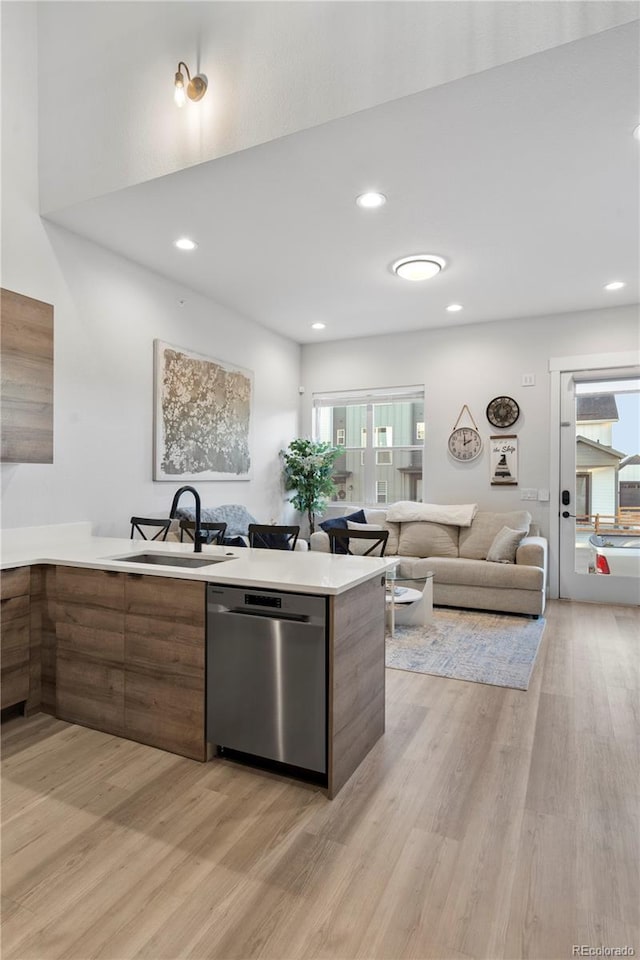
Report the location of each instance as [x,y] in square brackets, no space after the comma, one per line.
[465,444]
[503,412]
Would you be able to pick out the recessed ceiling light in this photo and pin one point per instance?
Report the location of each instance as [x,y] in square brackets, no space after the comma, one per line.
[636,132]
[371,200]
[184,243]
[420,266]
[318,326]
[454,307]
[614,285]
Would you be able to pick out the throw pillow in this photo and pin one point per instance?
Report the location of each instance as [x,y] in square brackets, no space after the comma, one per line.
[340,523]
[334,523]
[503,549]
[359,547]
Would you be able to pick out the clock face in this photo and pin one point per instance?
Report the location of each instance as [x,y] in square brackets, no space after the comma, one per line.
[503,412]
[465,444]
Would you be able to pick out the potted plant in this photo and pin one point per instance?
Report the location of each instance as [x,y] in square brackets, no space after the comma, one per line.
[308,465]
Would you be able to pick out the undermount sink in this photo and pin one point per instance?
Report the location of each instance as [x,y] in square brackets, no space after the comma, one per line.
[172,559]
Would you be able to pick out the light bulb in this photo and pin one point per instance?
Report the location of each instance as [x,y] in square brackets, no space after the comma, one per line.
[178,94]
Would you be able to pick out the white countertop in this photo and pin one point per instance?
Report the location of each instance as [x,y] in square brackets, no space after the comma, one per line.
[299,571]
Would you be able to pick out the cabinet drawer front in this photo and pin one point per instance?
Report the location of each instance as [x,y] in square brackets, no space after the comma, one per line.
[14,608]
[15,661]
[91,588]
[14,583]
[177,601]
[90,693]
[165,713]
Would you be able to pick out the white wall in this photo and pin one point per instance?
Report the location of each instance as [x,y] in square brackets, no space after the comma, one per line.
[472,364]
[107,313]
[106,72]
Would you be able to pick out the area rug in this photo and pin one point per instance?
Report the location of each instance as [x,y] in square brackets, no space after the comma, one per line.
[483,647]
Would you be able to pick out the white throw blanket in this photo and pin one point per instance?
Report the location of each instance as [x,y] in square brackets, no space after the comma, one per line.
[406,511]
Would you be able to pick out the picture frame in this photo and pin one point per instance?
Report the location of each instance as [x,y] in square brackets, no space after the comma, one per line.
[202,417]
[503,460]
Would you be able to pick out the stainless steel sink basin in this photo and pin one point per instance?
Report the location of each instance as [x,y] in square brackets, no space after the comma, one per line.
[172,559]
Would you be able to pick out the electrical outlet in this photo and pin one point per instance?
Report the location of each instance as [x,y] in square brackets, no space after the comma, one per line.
[528,379]
[528,493]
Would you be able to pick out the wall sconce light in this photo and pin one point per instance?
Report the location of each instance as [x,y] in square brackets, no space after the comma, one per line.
[195,89]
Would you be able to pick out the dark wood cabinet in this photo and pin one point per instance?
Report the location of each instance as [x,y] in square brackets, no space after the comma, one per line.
[15,635]
[130,657]
[165,663]
[90,648]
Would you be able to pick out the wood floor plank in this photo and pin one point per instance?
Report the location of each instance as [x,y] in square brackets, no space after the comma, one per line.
[486,824]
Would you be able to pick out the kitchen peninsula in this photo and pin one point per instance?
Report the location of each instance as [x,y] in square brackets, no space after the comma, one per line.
[120,645]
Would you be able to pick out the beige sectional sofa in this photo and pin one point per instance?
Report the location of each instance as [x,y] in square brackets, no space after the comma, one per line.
[463,577]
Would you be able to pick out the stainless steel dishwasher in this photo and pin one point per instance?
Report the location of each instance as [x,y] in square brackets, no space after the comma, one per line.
[267,675]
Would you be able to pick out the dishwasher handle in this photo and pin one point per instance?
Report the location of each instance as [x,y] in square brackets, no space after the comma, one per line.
[221,610]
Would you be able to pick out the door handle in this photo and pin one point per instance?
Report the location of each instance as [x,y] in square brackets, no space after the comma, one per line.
[566,515]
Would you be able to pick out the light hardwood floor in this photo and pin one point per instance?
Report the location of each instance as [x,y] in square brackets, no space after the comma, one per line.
[487,823]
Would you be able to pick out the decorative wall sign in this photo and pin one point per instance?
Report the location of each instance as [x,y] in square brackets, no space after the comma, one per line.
[503,460]
[202,417]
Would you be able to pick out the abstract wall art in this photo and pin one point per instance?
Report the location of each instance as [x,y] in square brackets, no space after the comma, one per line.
[202,417]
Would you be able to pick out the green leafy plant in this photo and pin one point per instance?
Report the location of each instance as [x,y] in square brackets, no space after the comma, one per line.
[308,465]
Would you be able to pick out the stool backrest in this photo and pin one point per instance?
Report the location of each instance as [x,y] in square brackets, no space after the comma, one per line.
[161,528]
[216,531]
[269,536]
[342,537]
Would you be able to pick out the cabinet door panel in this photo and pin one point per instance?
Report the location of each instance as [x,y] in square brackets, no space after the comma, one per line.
[14,583]
[164,662]
[90,614]
[165,712]
[90,693]
[14,650]
[92,588]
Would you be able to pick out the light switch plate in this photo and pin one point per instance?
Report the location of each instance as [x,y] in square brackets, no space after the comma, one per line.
[528,379]
[543,494]
[528,493]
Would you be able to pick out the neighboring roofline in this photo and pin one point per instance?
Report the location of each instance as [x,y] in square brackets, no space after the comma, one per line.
[632,460]
[601,446]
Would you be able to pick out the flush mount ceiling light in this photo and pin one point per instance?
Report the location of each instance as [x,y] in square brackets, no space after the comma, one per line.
[420,266]
[195,88]
[454,307]
[184,243]
[614,285]
[318,326]
[371,200]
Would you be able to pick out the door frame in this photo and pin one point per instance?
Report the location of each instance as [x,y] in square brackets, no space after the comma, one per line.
[597,362]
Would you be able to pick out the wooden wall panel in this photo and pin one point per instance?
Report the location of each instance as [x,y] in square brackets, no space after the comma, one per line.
[356,678]
[26,394]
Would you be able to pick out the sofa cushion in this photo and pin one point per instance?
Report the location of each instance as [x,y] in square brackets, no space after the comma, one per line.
[408,511]
[483,573]
[504,546]
[380,516]
[476,540]
[425,539]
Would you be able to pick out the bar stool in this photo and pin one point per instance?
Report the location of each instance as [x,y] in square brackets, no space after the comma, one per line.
[268,536]
[216,531]
[161,527]
[338,536]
